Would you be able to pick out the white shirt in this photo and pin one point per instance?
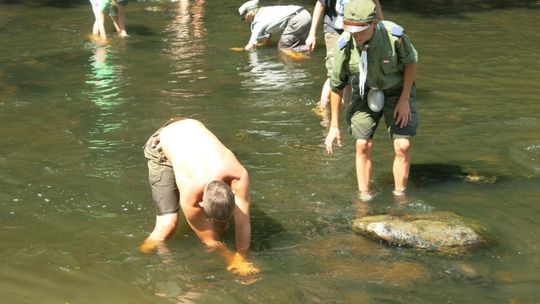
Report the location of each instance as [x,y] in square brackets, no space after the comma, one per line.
[271,20]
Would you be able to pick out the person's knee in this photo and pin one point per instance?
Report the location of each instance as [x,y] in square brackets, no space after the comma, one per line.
[363,146]
[402,146]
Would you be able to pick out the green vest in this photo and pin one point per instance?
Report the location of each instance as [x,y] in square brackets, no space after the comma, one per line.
[390,49]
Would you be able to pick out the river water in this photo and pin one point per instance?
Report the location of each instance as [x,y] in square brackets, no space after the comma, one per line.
[74,199]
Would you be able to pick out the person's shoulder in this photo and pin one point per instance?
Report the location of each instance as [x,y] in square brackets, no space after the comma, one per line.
[344,40]
[393,28]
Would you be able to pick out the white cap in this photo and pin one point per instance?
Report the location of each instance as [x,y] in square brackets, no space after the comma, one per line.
[248,6]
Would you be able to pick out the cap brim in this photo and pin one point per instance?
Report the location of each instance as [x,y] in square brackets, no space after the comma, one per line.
[355,28]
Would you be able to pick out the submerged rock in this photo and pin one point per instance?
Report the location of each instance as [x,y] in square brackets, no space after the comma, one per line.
[436,231]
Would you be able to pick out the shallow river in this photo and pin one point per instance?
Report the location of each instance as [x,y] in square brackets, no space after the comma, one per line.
[74,199]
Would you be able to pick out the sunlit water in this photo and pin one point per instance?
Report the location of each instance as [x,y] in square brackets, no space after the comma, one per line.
[74,199]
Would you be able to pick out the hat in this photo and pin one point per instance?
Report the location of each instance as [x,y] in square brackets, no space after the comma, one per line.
[248,6]
[358,15]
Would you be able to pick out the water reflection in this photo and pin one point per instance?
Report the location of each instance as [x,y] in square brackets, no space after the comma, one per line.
[268,73]
[103,87]
[186,47]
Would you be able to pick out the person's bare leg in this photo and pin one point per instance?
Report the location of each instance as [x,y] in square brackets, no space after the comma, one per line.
[323,106]
[122,21]
[164,228]
[99,24]
[363,166]
[115,23]
[402,164]
[325,94]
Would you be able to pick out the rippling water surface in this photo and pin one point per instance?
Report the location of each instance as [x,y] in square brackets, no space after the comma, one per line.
[74,200]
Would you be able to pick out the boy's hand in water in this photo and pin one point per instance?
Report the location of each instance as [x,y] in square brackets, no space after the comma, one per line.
[238,264]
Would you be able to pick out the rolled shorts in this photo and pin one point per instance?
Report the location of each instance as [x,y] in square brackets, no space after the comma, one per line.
[100,5]
[363,122]
[165,194]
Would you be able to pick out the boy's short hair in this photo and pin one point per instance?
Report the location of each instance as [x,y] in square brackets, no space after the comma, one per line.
[218,200]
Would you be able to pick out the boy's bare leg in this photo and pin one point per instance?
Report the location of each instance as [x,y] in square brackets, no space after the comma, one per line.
[363,167]
[401,166]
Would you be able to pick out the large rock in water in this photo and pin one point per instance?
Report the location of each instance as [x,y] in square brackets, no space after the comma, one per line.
[436,231]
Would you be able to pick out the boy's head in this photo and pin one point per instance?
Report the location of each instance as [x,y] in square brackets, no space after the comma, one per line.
[358,15]
[247,8]
[218,200]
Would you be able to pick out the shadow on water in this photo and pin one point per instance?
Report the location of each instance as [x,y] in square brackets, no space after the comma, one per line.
[140,30]
[423,175]
[264,228]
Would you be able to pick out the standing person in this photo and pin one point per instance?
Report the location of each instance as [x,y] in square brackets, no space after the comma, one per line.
[98,7]
[117,12]
[332,10]
[292,21]
[190,169]
[379,60]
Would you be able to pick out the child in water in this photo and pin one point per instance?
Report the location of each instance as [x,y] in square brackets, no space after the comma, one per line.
[99,7]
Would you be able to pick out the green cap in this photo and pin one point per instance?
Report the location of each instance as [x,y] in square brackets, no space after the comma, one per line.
[358,14]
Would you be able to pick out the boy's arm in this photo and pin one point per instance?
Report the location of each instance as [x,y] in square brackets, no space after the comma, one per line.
[318,12]
[237,262]
[333,132]
[378,9]
[242,222]
[195,216]
[402,112]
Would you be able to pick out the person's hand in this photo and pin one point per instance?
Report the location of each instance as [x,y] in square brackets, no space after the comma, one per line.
[402,112]
[333,135]
[310,42]
[238,264]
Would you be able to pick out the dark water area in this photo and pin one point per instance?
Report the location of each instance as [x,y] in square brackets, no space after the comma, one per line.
[74,199]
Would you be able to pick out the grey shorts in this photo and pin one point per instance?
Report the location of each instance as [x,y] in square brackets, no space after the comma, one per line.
[363,122]
[165,193]
[295,34]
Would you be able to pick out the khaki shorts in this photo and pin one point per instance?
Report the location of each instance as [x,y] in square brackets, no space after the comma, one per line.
[165,192]
[363,122]
[331,40]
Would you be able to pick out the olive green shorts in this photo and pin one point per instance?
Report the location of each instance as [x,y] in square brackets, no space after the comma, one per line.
[363,122]
[165,193]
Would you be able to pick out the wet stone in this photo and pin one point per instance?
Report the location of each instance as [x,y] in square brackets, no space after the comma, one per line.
[444,232]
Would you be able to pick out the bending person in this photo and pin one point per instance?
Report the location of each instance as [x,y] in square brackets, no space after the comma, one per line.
[292,21]
[190,169]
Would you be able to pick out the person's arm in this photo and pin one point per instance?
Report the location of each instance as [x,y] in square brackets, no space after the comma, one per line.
[402,112]
[378,9]
[333,132]
[242,222]
[339,78]
[258,27]
[318,12]
[237,262]
[189,202]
